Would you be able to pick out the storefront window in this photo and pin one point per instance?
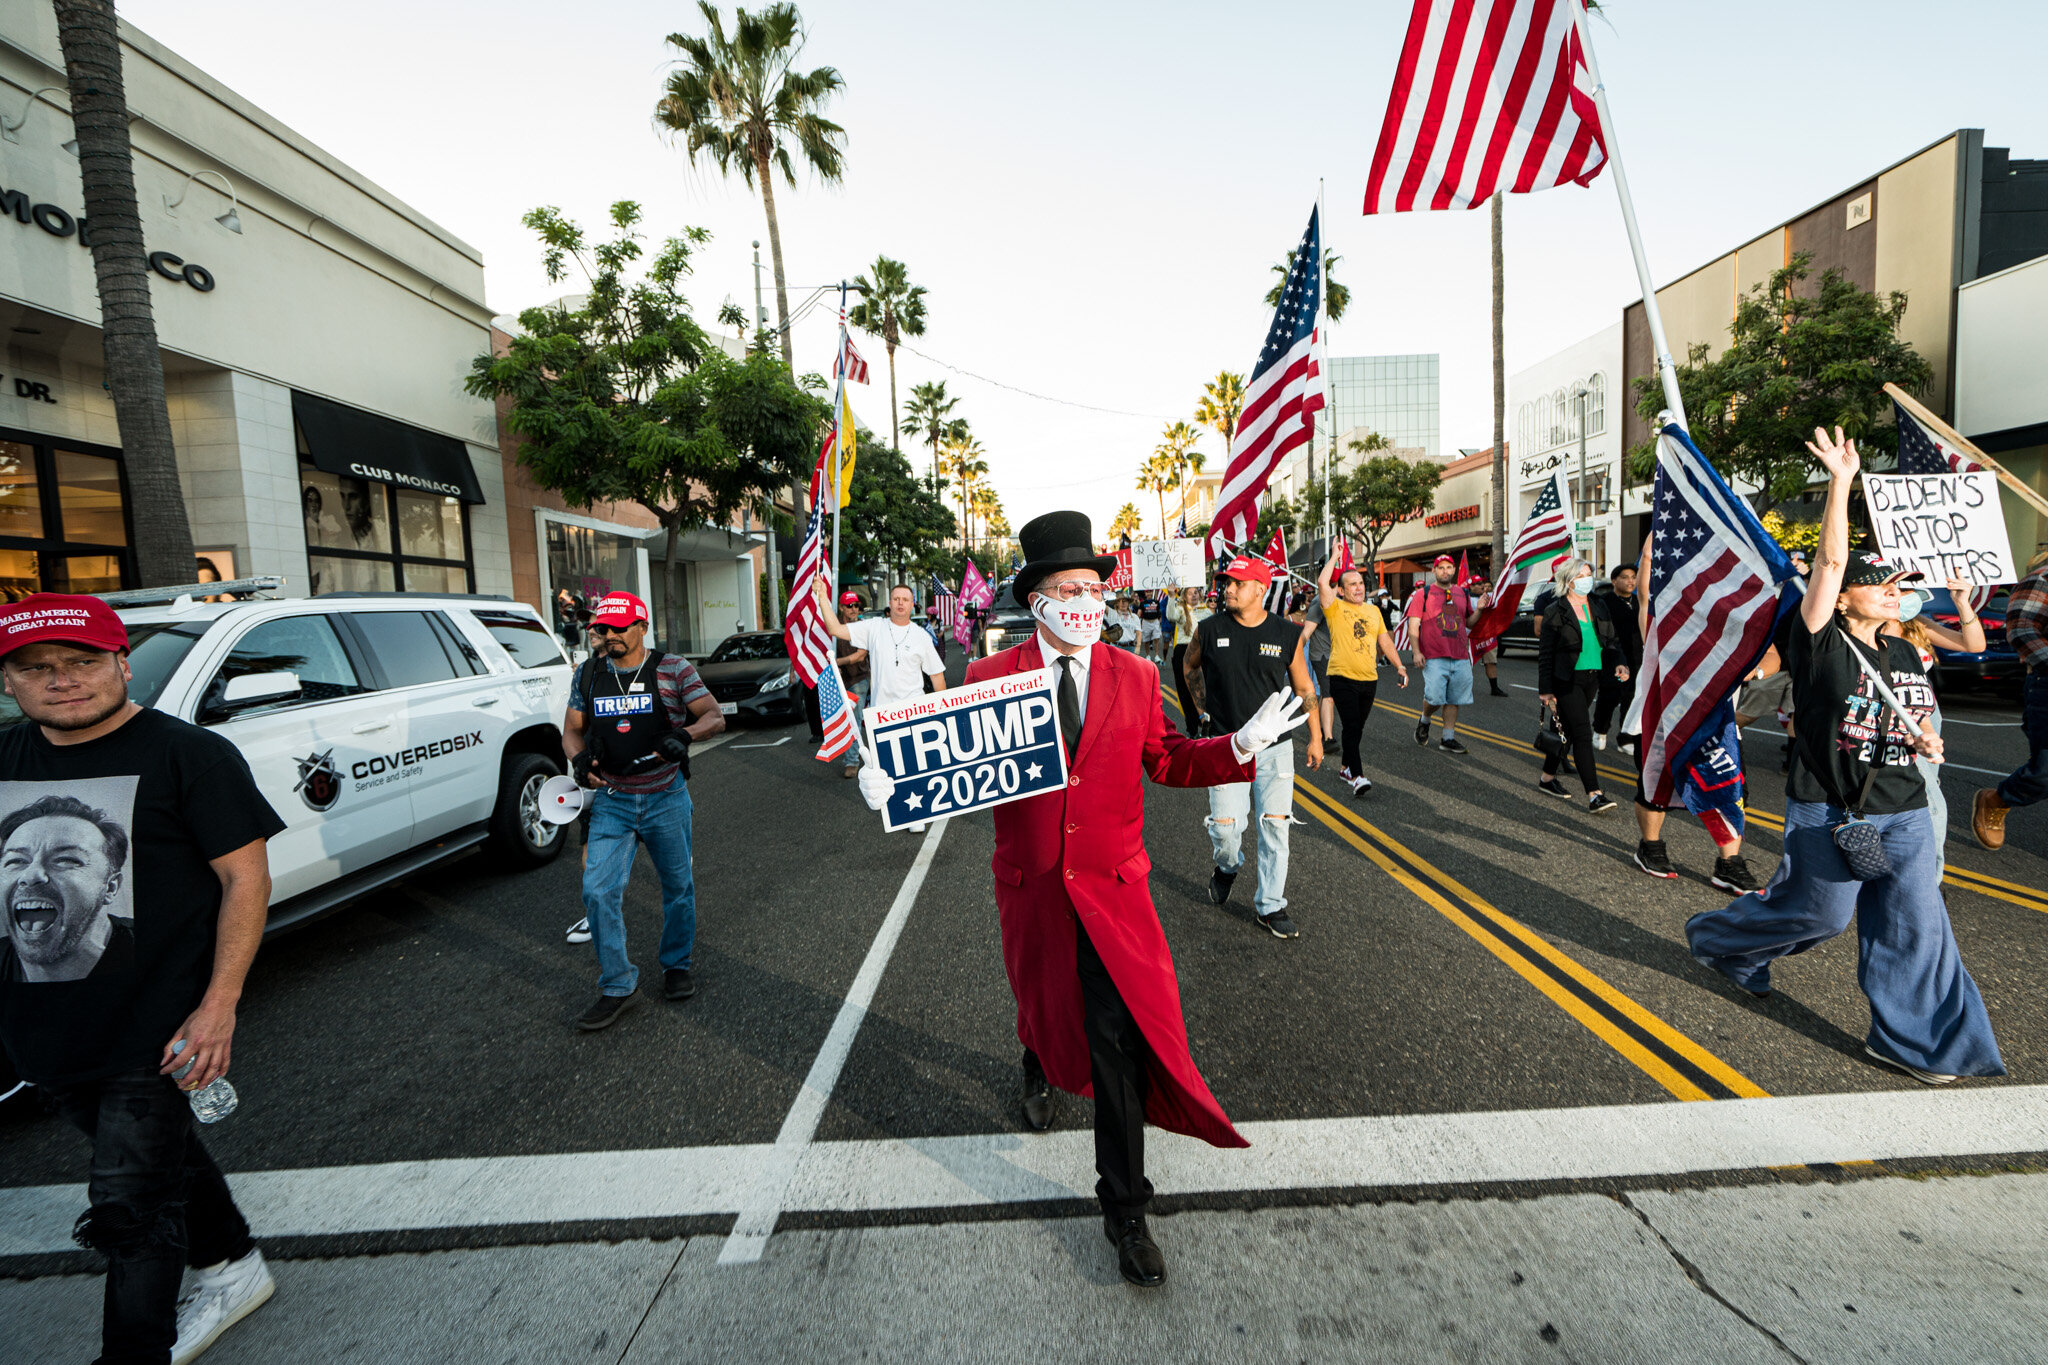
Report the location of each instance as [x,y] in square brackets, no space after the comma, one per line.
[63,518]
[349,543]
[590,563]
[344,514]
[429,526]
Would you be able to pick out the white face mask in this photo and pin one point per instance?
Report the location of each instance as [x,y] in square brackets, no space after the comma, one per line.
[1078,622]
[1582,584]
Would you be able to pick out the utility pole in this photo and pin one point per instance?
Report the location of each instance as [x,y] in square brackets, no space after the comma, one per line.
[1582,505]
[774,545]
[1500,403]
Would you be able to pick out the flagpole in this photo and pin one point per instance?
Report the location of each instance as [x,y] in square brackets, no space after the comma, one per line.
[1667,371]
[838,442]
[1323,330]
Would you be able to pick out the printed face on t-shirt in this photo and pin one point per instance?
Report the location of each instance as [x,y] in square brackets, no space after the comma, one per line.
[61,881]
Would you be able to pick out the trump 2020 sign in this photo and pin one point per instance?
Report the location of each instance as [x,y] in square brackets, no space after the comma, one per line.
[968,748]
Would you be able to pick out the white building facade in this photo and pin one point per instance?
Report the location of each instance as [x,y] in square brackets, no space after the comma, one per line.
[1567,403]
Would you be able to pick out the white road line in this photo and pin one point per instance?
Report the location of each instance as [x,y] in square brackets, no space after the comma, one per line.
[776,745]
[1524,686]
[1383,1151]
[764,1202]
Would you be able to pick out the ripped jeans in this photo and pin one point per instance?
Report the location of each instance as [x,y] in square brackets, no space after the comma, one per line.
[1271,791]
[158,1204]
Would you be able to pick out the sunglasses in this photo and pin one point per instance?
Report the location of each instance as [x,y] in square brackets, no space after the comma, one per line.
[610,630]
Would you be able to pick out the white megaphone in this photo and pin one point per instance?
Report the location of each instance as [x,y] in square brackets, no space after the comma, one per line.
[561,800]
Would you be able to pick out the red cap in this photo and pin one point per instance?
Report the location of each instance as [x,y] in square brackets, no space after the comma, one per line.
[849,599]
[65,617]
[1443,559]
[1250,570]
[619,609]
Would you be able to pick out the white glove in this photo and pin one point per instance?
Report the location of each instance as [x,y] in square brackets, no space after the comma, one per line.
[1280,713]
[876,786]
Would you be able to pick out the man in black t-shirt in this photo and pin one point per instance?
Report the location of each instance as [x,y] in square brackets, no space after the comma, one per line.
[134,882]
[1240,657]
[1863,703]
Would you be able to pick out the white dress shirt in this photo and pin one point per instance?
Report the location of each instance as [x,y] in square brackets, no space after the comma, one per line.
[1080,669]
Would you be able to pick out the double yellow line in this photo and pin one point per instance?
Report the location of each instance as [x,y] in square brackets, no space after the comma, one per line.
[1664,1054]
[1982,883]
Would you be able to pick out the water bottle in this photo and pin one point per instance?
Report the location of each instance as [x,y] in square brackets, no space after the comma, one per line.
[212,1103]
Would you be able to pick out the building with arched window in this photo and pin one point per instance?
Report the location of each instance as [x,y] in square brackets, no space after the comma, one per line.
[1554,402]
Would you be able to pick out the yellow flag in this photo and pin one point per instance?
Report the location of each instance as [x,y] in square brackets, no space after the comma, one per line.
[844,444]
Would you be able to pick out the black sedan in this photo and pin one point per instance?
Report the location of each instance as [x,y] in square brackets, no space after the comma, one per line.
[750,676]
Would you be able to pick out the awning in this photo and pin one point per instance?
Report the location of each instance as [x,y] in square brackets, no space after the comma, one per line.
[361,445]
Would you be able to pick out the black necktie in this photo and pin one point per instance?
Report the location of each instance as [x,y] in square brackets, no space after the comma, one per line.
[1070,706]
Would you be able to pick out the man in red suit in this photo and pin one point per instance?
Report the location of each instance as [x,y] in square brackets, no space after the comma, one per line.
[1098,1006]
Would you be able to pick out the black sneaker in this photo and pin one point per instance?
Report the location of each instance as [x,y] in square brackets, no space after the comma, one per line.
[1652,858]
[676,984]
[1733,874]
[1496,691]
[1422,731]
[1219,886]
[1599,803]
[1278,925]
[1451,746]
[1550,786]
[607,1009]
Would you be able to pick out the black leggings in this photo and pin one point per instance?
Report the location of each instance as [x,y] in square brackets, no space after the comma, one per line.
[1574,703]
[1354,704]
[1188,722]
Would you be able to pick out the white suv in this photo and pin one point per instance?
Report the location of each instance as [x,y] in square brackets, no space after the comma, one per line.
[388,730]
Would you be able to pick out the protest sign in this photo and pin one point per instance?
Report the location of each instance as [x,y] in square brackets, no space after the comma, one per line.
[968,748]
[1120,577]
[1944,525]
[1166,564]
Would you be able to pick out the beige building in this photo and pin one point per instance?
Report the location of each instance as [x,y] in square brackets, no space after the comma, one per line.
[1460,523]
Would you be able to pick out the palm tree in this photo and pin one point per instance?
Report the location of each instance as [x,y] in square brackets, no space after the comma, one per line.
[1177,448]
[891,307]
[738,102]
[930,412]
[1222,402]
[1126,520]
[1156,475]
[961,457]
[1336,298]
[987,506]
[135,369]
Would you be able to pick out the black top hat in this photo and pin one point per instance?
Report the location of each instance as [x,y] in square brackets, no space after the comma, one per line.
[1055,541]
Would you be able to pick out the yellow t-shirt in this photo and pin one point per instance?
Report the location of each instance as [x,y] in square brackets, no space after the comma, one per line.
[1355,630]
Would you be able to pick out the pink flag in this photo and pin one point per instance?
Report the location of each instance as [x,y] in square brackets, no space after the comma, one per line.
[974,592]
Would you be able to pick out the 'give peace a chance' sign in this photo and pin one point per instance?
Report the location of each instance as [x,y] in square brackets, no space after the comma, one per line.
[968,748]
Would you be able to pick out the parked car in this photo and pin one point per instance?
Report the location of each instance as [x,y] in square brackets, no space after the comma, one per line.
[1997,662]
[749,675]
[389,731]
[1521,632]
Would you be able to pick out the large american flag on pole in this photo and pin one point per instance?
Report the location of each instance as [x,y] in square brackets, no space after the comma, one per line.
[835,715]
[1718,584]
[1923,452]
[1280,402]
[1545,536]
[1489,95]
[803,627]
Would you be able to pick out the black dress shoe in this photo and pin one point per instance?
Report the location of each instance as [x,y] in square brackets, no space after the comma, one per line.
[1038,1111]
[1137,1255]
[676,984]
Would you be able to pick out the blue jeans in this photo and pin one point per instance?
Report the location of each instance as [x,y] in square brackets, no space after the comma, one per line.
[2029,781]
[1230,805]
[1924,1008]
[617,823]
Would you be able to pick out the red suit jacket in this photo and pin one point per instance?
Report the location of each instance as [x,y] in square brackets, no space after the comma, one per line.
[1081,852]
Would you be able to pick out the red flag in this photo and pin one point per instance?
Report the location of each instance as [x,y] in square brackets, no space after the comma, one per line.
[1344,563]
[1464,573]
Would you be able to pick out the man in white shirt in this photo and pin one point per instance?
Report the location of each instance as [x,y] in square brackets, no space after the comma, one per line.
[900,653]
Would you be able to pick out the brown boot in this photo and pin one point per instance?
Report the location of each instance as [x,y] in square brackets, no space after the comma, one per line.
[1987,818]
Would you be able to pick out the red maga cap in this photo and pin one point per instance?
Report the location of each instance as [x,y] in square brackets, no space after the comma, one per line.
[1250,570]
[849,599]
[63,617]
[619,609]
[1443,559]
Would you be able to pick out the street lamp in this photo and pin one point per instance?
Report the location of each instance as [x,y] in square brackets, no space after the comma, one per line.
[231,220]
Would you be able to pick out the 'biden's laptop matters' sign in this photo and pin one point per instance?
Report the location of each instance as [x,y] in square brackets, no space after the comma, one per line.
[968,748]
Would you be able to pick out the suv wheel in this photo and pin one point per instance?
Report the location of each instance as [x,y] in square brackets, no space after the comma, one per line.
[517,828]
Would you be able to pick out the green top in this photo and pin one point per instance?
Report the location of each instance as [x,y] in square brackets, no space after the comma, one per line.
[1589,640]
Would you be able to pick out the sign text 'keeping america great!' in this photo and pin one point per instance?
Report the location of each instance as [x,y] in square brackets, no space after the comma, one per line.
[968,748]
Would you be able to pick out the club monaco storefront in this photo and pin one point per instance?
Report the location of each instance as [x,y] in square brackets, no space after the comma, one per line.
[315,331]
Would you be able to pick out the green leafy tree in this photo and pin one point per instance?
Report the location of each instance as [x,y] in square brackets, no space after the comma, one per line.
[891,307]
[930,414]
[1798,358]
[1369,500]
[737,101]
[1336,298]
[625,399]
[1222,403]
[893,517]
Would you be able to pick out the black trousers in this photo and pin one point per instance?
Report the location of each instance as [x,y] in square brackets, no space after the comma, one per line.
[1615,697]
[1117,1060]
[158,1205]
[813,715]
[1574,707]
[1189,723]
[1354,704]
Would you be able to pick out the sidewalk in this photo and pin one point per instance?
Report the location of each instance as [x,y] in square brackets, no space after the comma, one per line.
[1890,1269]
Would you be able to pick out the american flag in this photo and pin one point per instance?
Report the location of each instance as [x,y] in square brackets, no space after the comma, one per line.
[803,626]
[1489,95]
[834,714]
[849,363]
[974,592]
[1922,452]
[1180,532]
[1280,403]
[1718,584]
[1545,536]
[949,607]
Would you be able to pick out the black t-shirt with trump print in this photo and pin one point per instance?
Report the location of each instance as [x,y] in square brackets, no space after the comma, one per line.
[110,902]
[1845,728]
[1244,665]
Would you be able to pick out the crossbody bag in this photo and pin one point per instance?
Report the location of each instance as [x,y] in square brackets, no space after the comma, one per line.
[1861,842]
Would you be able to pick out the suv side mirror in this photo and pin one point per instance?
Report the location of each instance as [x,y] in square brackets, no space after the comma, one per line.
[252,688]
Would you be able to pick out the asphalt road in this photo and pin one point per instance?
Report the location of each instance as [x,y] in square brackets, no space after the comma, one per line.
[1468,945]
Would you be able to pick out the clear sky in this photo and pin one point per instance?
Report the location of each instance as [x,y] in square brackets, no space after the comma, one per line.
[1094,193]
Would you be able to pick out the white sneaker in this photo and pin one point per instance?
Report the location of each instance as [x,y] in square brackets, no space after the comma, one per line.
[1924,1077]
[579,932]
[221,1296]
[1599,741]
[1360,783]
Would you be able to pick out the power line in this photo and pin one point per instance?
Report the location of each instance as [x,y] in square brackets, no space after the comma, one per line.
[1041,397]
